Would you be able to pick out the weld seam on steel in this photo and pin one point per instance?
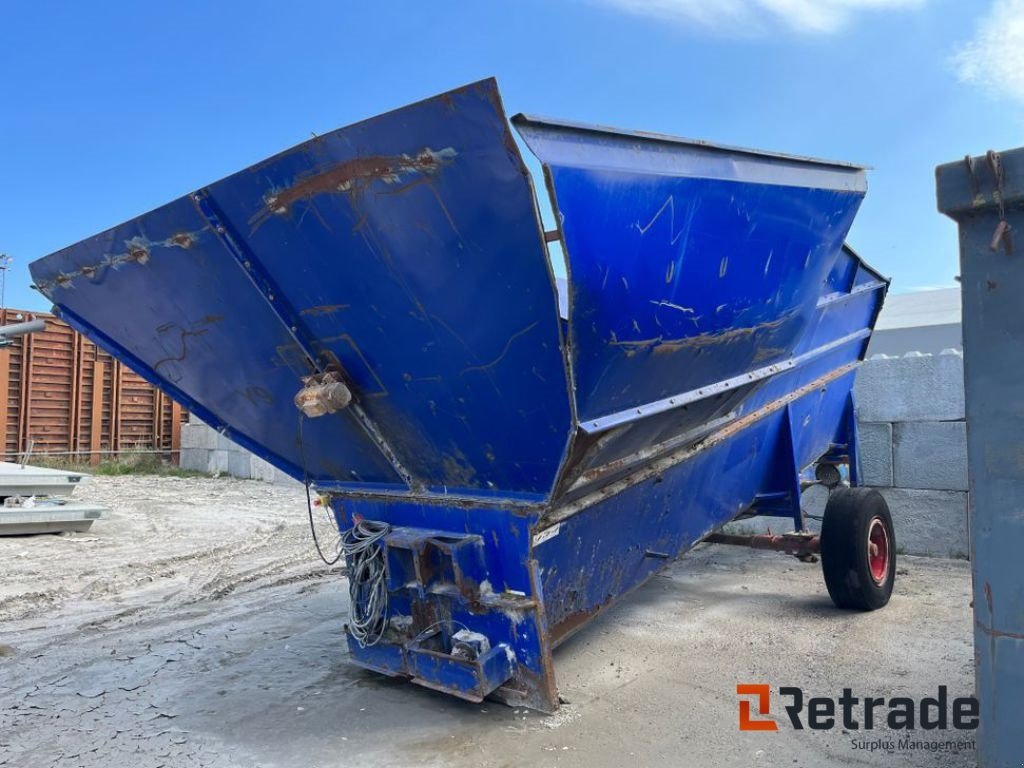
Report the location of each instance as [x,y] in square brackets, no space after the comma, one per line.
[287,316]
[559,514]
[685,398]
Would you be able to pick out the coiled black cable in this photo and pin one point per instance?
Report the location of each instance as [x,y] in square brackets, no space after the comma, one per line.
[363,545]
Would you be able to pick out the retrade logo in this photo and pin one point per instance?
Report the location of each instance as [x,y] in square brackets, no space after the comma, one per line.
[763,694]
[852,713]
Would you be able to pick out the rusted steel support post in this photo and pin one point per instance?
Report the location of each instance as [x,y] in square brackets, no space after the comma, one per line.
[96,412]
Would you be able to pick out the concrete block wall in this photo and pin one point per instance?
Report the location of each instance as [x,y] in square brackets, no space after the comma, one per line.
[915,387]
[930,455]
[876,462]
[927,522]
[913,443]
[203,449]
[913,406]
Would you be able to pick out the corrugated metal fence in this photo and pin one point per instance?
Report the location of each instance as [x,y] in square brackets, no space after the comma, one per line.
[62,395]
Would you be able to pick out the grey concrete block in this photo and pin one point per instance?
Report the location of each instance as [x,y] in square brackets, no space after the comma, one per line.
[217,463]
[281,478]
[223,443]
[194,436]
[926,522]
[911,388]
[209,437]
[930,455]
[271,474]
[263,470]
[876,453]
[260,469]
[240,464]
[929,522]
[195,459]
[202,435]
[257,468]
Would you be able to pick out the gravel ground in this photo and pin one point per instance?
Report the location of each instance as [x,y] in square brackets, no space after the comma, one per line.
[168,541]
[196,627]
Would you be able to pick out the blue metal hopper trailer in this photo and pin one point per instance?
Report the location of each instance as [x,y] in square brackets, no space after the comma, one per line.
[375,312]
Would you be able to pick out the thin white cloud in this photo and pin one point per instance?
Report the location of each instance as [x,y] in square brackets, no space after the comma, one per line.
[759,16]
[994,58]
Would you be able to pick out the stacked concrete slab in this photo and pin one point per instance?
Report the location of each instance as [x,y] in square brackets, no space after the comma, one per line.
[38,500]
[914,447]
[204,449]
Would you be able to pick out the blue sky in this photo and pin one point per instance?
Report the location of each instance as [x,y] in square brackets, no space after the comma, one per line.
[112,108]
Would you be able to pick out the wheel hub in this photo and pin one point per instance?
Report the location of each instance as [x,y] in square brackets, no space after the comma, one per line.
[878,550]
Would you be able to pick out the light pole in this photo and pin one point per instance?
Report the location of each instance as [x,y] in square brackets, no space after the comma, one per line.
[5,262]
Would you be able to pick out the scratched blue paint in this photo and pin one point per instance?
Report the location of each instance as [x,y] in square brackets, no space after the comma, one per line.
[408,249]
[533,470]
[179,317]
[992,283]
[623,539]
[691,273]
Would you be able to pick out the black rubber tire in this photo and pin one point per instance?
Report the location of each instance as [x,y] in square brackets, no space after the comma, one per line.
[844,549]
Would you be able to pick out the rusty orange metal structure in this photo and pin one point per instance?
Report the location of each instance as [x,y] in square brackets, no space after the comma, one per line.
[63,396]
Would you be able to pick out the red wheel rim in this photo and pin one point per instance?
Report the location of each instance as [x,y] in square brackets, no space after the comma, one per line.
[878,550]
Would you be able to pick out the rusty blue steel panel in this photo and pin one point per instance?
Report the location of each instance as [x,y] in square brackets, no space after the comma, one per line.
[715,320]
[407,248]
[161,294]
[985,196]
[689,263]
[601,547]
